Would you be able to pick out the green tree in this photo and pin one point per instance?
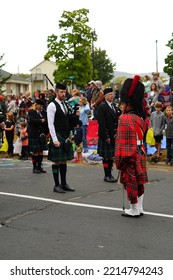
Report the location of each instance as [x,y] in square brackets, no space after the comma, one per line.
[103,67]
[72,49]
[2,79]
[169,59]
[25,76]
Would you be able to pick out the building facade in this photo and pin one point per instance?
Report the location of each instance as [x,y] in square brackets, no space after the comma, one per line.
[15,85]
[42,76]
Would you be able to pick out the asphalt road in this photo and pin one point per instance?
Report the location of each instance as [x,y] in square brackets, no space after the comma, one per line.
[38,224]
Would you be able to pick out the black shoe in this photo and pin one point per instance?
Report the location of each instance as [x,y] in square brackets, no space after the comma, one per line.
[167,161]
[25,158]
[67,188]
[42,170]
[36,171]
[110,179]
[58,189]
[113,179]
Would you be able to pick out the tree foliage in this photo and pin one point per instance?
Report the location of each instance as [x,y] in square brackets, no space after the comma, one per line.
[72,49]
[2,79]
[104,68]
[23,75]
[169,59]
[74,52]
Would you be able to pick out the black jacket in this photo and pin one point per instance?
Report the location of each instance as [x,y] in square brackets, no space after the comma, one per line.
[108,121]
[35,125]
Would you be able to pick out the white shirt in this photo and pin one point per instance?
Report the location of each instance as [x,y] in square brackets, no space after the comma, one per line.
[51,110]
[110,104]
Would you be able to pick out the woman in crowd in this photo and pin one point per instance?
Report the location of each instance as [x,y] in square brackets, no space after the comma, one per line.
[9,131]
[147,83]
[73,101]
[153,96]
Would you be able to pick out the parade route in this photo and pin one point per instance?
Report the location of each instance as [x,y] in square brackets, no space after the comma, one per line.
[37,223]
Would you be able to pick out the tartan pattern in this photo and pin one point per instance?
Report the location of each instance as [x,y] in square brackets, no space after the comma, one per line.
[126,139]
[132,179]
[79,148]
[35,146]
[131,163]
[59,154]
[105,149]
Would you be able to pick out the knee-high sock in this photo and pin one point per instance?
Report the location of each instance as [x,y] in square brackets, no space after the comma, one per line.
[110,165]
[34,161]
[63,171]
[40,159]
[55,172]
[106,167]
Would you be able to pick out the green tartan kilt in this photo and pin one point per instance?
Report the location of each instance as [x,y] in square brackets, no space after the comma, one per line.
[105,149]
[35,146]
[59,154]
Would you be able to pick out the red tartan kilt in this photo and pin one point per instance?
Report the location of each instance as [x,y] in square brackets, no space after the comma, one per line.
[131,178]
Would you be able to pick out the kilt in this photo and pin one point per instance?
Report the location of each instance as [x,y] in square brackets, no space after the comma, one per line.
[59,154]
[105,149]
[35,146]
[133,176]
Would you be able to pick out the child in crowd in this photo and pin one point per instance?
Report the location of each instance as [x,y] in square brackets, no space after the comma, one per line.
[9,132]
[21,117]
[169,134]
[78,136]
[84,109]
[24,139]
[157,120]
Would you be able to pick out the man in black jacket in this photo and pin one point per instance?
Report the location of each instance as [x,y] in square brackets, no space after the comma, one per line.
[36,136]
[108,115]
[60,122]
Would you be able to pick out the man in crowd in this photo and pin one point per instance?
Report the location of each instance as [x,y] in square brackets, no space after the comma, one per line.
[108,115]
[60,121]
[158,82]
[36,136]
[97,98]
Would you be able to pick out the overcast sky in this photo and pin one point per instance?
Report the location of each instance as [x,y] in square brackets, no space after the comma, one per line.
[126,29]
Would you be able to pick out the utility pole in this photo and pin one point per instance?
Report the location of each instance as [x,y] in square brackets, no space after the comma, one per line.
[93,33]
[156,57]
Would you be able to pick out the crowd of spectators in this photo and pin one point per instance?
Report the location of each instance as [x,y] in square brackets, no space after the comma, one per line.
[14,109]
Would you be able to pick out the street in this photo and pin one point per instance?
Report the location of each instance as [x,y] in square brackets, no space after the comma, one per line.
[38,224]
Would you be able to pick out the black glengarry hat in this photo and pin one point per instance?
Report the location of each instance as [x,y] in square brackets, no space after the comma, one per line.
[39,101]
[107,90]
[60,86]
